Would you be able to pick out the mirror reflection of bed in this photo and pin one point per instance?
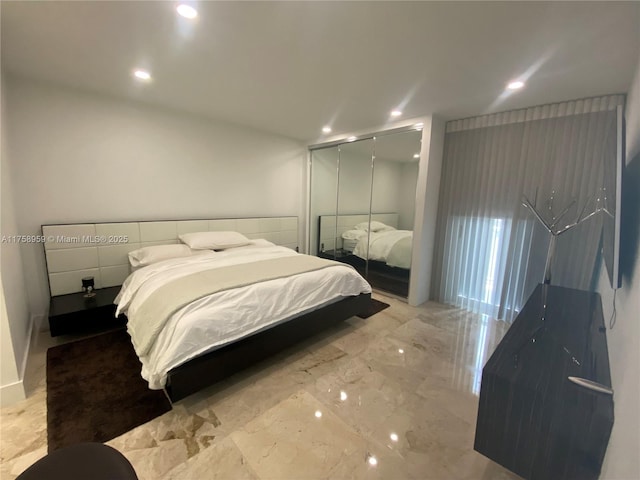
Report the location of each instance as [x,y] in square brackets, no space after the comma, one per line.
[387,248]
[370,182]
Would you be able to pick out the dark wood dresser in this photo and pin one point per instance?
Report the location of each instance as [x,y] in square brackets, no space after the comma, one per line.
[532,419]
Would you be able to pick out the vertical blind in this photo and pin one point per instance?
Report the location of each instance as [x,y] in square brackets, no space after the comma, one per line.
[490,251]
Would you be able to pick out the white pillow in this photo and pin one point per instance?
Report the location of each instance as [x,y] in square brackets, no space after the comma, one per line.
[157,253]
[214,240]
[375,226]
[353,234]
[258,242]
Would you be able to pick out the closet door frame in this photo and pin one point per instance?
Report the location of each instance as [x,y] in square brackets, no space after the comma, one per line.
[427,196]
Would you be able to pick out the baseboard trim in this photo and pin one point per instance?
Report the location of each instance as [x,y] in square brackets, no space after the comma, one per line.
[12,393]
[25,358]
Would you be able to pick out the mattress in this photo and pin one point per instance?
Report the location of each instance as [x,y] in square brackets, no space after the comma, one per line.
[219,319]
[391,247]
[348,244]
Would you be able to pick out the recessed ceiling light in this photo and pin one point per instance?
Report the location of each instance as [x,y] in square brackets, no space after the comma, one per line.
[187,11]
[352,139]
[515,85]
[394,437]
[396,113]
[416,155]
[142,75]
[326,129]
[318,414]
[373,461]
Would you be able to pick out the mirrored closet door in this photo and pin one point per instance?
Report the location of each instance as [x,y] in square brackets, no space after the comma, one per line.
[397,157]
[371,184]
[324,202]
[354,200]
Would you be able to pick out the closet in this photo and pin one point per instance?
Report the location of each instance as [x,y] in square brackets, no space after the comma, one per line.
[362,205]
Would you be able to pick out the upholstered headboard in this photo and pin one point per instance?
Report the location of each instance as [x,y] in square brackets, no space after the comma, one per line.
[327,226]
[100,250]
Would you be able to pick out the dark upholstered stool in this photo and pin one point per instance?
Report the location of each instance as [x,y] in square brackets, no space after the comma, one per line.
[91,461]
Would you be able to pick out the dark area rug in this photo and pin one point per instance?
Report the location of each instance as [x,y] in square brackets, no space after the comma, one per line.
[95,391]
[375,306]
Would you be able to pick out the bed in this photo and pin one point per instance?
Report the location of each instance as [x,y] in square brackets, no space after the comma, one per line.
[390,246]
[385,243]
[385,263]
[279,298]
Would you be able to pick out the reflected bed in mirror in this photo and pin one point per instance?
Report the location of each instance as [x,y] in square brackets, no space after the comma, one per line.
[349,180]
[387,248]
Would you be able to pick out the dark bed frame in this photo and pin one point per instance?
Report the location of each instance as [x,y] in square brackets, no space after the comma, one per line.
[219,364]
[214,366]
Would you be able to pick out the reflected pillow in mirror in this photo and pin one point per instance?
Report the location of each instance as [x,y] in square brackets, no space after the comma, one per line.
[354,234]
[375,226]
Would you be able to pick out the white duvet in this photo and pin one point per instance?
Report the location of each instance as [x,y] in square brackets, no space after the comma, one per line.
[392,247]
[223,317]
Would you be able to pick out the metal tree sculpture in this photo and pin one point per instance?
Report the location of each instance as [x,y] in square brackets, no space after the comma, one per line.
[552,226]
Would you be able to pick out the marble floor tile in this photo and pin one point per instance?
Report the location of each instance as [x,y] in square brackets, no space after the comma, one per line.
[359,338]
[14,467]
[225,458]
[23,426]
[407,362]
[153,463]
[397,396]
[426,337]
[300,438]
[362,397]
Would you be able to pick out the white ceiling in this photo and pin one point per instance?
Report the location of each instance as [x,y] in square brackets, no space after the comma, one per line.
[292,67]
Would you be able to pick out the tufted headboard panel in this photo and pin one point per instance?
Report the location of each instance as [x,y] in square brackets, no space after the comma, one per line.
[100,250]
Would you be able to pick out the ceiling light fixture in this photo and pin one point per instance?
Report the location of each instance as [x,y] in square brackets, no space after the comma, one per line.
[515,85]
[326,129]
[373,461]
[186,11]
[394,437]
[318,414]
[396,113]
[142,75]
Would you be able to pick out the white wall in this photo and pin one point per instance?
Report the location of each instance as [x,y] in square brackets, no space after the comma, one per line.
[354,195]
[623,460]
[407,195]
[81,157]
[427,194]
[15,324]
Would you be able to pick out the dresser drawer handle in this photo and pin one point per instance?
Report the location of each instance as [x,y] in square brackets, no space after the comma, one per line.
[591,385]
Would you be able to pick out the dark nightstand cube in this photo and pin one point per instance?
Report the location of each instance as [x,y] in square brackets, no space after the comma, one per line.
[338,255]
[74,313]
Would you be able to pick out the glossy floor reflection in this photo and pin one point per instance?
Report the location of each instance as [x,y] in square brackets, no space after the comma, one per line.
[392,396]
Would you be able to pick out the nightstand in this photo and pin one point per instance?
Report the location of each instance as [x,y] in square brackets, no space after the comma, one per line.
[74,313]
[335,254]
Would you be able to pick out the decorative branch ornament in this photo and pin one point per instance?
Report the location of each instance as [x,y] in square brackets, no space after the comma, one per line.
[552,225]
